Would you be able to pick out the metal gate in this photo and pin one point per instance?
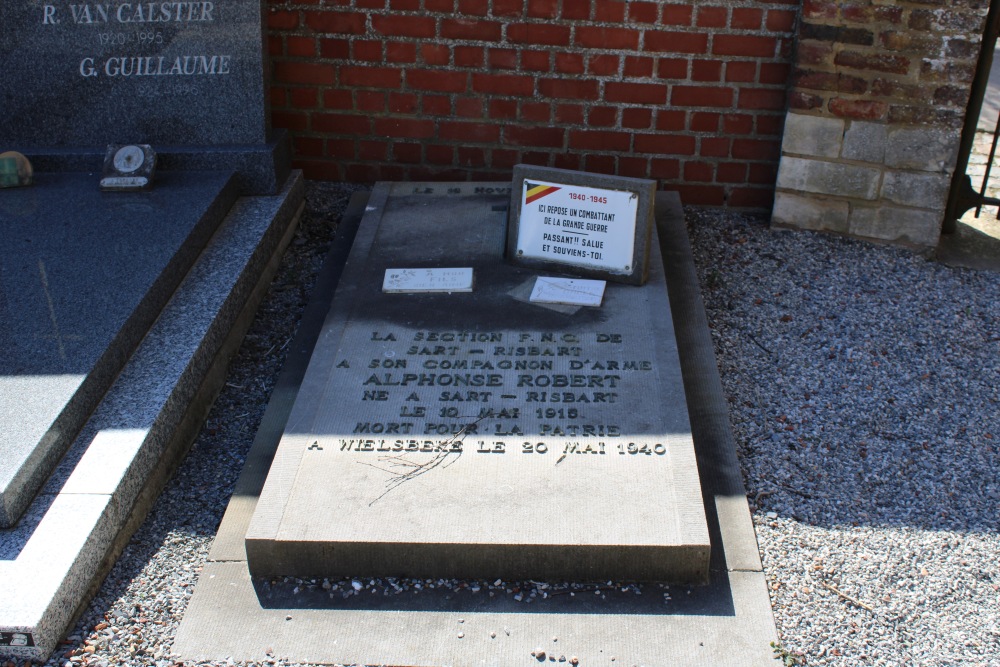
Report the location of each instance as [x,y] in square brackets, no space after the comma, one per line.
[963,196]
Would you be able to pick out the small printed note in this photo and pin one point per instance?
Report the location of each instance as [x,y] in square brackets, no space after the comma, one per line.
[427,280]
[124,182]
[569,291]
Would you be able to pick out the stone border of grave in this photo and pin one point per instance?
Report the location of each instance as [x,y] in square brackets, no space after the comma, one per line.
[727,622]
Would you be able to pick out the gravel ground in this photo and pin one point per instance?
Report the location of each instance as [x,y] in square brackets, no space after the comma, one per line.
[863,391]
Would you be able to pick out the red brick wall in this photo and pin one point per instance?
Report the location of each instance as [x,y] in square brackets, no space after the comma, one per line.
[692,94]
[902,63]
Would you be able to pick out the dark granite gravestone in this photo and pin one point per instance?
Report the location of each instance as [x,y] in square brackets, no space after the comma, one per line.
[77,294]
[476,434]
[84,273]
[187,77]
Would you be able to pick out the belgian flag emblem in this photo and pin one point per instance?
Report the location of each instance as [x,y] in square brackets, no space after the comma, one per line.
[536,191]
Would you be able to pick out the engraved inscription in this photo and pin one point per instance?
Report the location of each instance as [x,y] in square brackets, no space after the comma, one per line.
[495,393]
[140,32]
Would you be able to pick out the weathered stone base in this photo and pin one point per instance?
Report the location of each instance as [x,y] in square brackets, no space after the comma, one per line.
[864,179]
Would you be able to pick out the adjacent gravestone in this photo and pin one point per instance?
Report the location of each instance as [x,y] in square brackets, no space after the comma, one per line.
[187,77]
[477,434]
[587,224]
[82,283]
[88,272]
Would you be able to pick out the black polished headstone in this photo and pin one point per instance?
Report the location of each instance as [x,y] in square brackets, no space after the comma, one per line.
[187,77]
[83,275]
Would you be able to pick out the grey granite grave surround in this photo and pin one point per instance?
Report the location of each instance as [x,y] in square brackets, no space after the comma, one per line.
[183,77]
[642,230]
[114,469]
[727,623]
[258,170]
[478,435]
[85,273]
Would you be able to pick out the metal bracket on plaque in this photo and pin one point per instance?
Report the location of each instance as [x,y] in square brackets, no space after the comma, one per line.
[15,170]
[128,167]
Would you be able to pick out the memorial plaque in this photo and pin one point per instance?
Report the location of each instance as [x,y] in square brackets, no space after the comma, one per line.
[129,168]
[477,434]
[587,224]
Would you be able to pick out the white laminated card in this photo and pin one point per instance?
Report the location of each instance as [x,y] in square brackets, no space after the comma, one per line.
[592,227]
[427,280]
[568,291]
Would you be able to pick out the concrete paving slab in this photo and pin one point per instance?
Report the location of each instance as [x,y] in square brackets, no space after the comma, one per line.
[727,622]
[225,620]
[84,274]
[478,435]
[125,451]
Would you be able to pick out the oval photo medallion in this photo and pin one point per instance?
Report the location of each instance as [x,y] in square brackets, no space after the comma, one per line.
[129,159]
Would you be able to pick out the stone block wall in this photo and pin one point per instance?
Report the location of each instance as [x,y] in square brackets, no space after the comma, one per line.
[692,94]
[877,101]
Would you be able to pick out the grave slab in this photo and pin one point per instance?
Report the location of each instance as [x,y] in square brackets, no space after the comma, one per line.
[187,77]
[477,434]
[726,623]
[84,275]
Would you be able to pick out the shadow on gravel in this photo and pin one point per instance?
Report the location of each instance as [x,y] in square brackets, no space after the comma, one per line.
[150,583]
[400,595]
[863,381]
[974,245]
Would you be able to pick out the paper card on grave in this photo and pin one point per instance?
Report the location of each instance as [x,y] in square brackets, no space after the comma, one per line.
[569,291]
[427,280]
